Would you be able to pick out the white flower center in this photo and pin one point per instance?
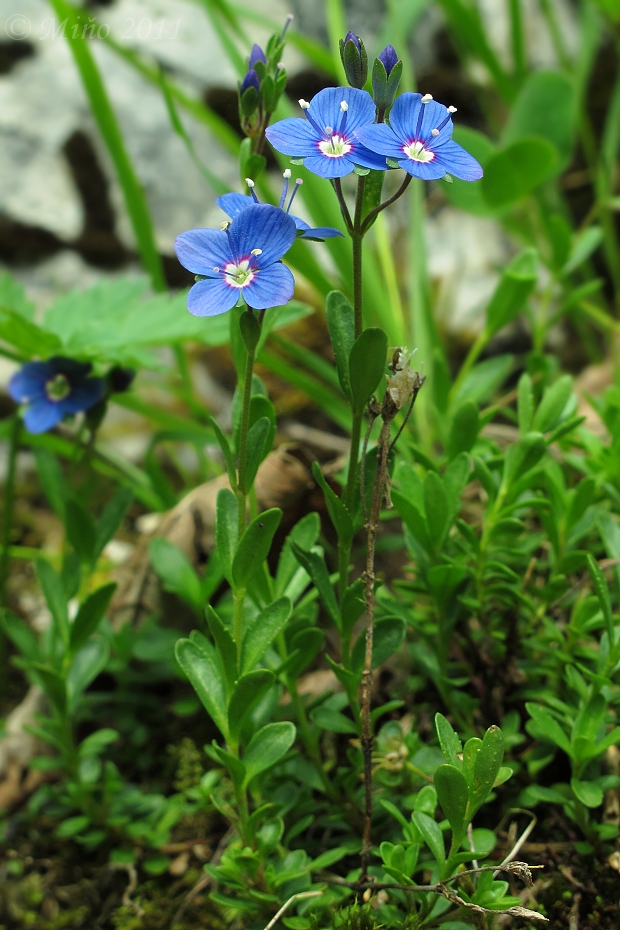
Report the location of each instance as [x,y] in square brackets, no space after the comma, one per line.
[239,275]
[335,147]
[57,388]
[417,152]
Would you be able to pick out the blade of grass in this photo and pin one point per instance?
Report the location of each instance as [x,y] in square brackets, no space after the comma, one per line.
[107,123]
[336,30]
[313,363]
[393,320]
[517,39]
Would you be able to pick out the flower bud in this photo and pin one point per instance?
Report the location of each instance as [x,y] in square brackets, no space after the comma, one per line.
[257,54]
[250,80]
[354,60]
[249,97]
[386,73]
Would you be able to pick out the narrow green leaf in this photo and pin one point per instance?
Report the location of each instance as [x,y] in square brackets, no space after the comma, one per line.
[176,572]
[89,615]
[453,795]
[111,519]
[464,428]
[254,546]
[226,648]
[451,745]
[259,445]
[515,286]
[436,507]
[433,837]
[262,631]
[367,365]
[248,691]
[20,634]
[341,328]
[340,516]
[525,403]
[586,792]
[81,530]
[206,680]
[316,568]
[88,662]
[55,596]
[552,404]
[226,530]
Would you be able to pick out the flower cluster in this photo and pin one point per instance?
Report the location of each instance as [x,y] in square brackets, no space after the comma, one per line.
[339,132]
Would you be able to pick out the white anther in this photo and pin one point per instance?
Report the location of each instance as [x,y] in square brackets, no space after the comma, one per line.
[280,65]
[434,132]
[427,98]
[224,226]
[451,109]
[298,181]
[216,269]
[304,104]
[344,105]
[256,252]
[249,182]
[287,174]
[329,130]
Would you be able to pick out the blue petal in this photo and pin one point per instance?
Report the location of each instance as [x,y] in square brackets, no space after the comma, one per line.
[42,416]
[327,167]
[29,382]
[458,162]
[83,396]
[320,232]
[367,158]
[271,287]
[427,170]
[381,139]
[263,227]
[404,118]
[233,204]
[202,250]
[257,54]
[299,223]
[294,137]
[211,297]
[325,108]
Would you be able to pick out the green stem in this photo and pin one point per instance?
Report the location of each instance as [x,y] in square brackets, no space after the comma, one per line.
[5,556]
[242,493]
[357,236]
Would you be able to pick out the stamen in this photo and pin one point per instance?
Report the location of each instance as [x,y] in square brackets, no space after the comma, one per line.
[226,228]
[344,106]
[286,176]
[329,130]
[427,98]
[442,124]
[216,269]
[256,252]
[225,225]
[287,22]
[306,107]
[451,109]
[434,132]
[250,184]
[298,183]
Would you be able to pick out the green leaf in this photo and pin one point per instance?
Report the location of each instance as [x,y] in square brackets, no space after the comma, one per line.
[89,615]
[589,719]
[305,534]
[545,107]
[552,404]
[367,365]
[20,634]
[266,748]
[55,596]
[484,379]
[72,826]
[81,530]
[436,507]
[224,445]
[388,634]
[525,403]
[226,530]
[414,519]
[262,631]
[341,328]
[226,648]
[111,519]
[486,766]
[259,446]
[303,648]
[433,837]
[340,516]
[332,720]
[316,568]
[205,678]
[175,571]
[54,686]
[51,479]
[546,727]
[587,792]
[88,662]
[517,170]
[254,546]
[582,248]
[464,428]
[25,335]
[515,286]
[451,745]
[234,765]
[453,795]
[444,581]
[95,743]
[523,456]
[248,691]
[602,593]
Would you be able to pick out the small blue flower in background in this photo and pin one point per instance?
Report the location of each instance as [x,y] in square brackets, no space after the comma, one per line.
[233,204]
[326,138]
[242,258]
[52,389]
[419,138]
[388,58]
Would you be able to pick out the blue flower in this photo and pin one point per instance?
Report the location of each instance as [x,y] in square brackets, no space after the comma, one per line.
[52,389]
[326,139]
[351,37]
[240,259]
[257,54]
[233,204]
[388,58]
[419,138]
